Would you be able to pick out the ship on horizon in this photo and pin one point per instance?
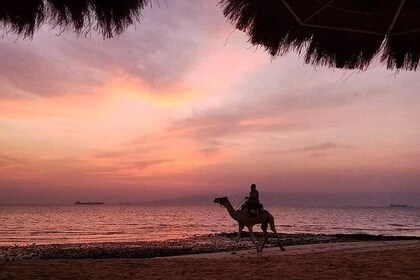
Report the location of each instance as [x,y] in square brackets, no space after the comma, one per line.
[399,205]
[88,203]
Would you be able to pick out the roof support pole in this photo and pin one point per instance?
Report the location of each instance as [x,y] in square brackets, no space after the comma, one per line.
[292,12]
[332,27]
[397,14]
[317,12]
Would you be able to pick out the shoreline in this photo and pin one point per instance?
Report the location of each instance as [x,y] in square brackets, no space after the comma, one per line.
[222,242]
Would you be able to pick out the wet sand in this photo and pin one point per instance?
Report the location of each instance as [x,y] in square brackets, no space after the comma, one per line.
[355,260]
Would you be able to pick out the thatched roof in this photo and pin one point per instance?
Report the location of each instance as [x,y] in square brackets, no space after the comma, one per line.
[337,33]
[106,16]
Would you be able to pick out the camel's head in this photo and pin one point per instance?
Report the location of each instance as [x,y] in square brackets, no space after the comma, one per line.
[221,200]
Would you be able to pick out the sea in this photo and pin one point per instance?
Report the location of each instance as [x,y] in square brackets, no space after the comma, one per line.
[26,225]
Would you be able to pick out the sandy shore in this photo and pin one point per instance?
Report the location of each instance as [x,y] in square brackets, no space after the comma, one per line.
[223,242]
[362,260]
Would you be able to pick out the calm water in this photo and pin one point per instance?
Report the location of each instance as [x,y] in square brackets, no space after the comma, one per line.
[103,223]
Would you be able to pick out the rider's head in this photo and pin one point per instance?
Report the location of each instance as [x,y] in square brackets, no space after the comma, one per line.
[253,187]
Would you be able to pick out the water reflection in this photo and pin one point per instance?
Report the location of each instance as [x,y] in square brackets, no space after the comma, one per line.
[114,223]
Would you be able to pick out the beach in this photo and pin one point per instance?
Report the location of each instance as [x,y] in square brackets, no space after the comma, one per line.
[307,256]
[350,260]
[200,244]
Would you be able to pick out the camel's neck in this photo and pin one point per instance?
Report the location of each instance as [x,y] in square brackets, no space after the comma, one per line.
[229,207]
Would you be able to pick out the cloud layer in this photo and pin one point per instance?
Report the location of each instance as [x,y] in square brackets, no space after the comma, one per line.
[179,104]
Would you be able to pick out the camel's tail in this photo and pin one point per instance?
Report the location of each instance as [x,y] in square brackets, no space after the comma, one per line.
[269,219]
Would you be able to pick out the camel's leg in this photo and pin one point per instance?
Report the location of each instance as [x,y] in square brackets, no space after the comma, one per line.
[264,226]
[273,228]
[238,237]
[251,234]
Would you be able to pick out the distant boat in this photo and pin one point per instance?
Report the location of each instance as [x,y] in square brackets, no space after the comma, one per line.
[398,205]
[88,203]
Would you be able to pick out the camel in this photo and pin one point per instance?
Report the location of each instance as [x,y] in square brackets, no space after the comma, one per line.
[244,220]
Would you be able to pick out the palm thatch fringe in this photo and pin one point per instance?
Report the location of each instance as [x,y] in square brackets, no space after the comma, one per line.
[402,52]
[109,17]
[336,33]
[322,34]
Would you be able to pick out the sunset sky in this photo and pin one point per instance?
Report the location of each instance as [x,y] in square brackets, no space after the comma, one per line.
[182,104]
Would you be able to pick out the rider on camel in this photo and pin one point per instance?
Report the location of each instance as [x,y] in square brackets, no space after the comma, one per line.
[253,203]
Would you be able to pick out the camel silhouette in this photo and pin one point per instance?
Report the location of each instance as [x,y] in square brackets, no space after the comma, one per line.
[244,220]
